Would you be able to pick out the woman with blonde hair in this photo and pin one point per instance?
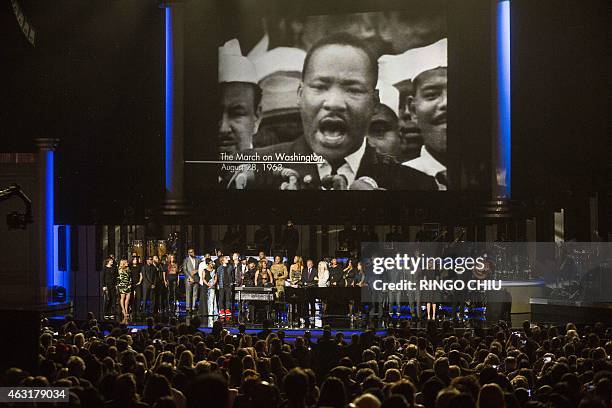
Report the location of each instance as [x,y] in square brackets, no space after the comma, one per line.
[124,287]
[323,274]
[323,281]
[295,270]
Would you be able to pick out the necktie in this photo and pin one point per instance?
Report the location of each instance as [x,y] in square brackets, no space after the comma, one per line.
[335,166]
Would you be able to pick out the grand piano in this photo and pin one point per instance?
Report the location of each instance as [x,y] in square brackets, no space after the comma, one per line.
[336,297]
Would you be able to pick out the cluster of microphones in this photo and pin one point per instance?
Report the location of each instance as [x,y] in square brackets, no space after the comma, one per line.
[291,180]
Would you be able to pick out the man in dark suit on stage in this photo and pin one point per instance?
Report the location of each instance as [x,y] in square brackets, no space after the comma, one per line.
[309,279]
[150,286]
[337,98]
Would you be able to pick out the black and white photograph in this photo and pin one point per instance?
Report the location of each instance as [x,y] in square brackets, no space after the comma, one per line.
[335,102]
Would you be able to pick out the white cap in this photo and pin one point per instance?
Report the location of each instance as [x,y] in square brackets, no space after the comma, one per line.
[260,48]
[279,74]
[389,96]
[279,59]
[397,68]
[233,67]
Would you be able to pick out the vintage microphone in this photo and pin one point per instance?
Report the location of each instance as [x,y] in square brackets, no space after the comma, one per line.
[364,183]
[335,182]
[240,179]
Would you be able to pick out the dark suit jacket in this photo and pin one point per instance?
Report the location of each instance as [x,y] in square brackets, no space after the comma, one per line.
[308,280]
[385,171]
[151,275]
[239,273]
[335,276]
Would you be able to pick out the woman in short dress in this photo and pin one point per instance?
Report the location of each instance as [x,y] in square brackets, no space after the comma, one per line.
[124,287]
[429,297]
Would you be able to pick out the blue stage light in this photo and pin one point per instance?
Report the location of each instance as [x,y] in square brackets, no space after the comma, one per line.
[49,219]
[504,91]
[168,97]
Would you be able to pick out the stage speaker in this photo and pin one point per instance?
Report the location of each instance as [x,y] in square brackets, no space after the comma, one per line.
[61,248]
[19,340]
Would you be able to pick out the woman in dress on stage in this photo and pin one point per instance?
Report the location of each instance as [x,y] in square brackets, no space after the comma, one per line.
[171,277]
[323,280]
[323,275]
[428,296]
[124,287]
[295,280]
[348,277]
[210,279]
[360,275]
[296,270]
[263,276]
[348,273]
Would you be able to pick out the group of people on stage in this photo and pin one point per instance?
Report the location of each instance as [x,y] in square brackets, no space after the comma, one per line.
[152,287]
[146,288]
[210,281]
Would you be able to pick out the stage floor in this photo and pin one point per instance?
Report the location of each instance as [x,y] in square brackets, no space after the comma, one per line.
[471,317]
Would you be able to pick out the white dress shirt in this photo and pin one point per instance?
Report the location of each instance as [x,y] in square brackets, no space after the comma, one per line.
[427,164]
[202,271]
[348,169]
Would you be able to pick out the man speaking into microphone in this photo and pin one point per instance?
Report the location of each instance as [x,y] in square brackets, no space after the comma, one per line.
[336,97]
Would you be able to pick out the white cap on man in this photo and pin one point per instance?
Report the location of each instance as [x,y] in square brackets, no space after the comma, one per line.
[233,66]
[393,69]
[279,60]
[279,73]
[388,96]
